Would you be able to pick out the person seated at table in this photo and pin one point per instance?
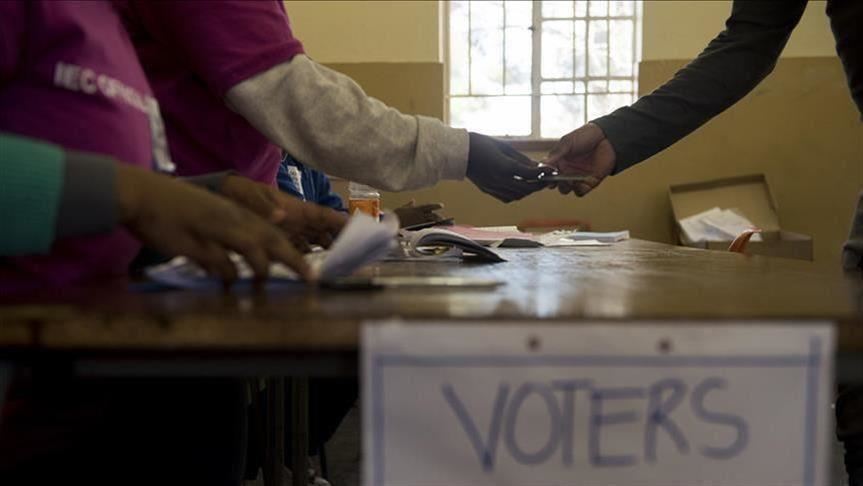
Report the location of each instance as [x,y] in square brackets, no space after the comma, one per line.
[253,84]
[307,184]
[53,196]
[81,131]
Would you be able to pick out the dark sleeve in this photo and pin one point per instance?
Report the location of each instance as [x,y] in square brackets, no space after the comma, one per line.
[88,202]
[729,67]
[326,196]
[48,193]
[852,255]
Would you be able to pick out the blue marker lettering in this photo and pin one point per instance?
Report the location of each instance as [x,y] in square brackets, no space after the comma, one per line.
[485,451]
[658,416]
[699,394]
[518,398]
[598,419]
[567,425]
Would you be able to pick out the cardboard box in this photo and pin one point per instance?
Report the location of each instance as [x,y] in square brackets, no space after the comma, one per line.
[750,196]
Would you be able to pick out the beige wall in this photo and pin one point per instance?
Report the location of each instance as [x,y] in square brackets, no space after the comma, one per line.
[680,29]
[368,31]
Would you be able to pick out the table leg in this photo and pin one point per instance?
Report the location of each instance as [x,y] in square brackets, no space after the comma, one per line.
[5,379]
[300,429]
[274,470]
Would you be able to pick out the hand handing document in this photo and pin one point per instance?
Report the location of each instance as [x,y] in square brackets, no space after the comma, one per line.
[362,241]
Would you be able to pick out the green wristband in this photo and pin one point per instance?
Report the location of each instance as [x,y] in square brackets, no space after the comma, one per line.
[31,181]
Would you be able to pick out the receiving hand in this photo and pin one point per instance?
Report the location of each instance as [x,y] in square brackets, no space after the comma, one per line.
[304,222]
[492,165]
[582,152]
[177,218]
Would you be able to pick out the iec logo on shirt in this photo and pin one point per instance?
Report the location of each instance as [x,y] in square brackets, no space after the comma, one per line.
[87,81]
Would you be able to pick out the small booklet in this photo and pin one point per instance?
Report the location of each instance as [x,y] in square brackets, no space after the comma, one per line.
[362,241]
[428,243]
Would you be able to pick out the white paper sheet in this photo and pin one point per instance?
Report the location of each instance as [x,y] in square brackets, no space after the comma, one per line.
[716,224]
[362,241]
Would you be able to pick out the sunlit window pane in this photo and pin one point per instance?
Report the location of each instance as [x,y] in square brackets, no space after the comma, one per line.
[459,70]
[597,86]
[556,87]
[585,61]
[598,8]
[518,60]
[557,8]
[618,86]
[487,47]
[597,43]
[603,104]
[557,49]
[580,8]
[492,115]
[519,13]
[580,48]
[561,114]
[622,8]
[621,48]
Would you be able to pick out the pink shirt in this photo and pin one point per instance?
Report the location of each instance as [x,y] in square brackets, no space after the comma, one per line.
[193,53]
[69,75]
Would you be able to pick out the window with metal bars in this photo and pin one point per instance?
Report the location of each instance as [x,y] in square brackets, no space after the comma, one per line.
[535,70]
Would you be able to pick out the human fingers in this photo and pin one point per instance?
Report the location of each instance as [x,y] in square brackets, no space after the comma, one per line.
[215,260]
[280,250]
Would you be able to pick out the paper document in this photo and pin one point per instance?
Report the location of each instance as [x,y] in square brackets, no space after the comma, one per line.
[560,242]
[362,241]
[582,238]
[510,236]
[492,234]
[716,224]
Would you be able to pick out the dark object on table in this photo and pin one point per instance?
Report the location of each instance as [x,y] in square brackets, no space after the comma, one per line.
[416,217]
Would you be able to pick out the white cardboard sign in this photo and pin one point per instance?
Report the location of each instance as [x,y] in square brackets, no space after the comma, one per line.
[683,404]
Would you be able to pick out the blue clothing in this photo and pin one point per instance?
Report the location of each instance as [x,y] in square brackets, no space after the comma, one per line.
[307,184]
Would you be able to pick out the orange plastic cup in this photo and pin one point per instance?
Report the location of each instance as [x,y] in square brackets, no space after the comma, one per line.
[372,207]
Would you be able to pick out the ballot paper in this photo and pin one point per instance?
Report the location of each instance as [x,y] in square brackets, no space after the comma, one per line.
[362,241]
[557,242]
[716,224]
[582,238]
[510,237]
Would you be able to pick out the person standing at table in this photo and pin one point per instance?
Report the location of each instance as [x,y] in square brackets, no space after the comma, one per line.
[730,66]
[79,133]
[237,88]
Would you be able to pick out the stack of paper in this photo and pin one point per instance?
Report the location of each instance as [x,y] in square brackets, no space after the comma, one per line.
[362,241]
[716,224]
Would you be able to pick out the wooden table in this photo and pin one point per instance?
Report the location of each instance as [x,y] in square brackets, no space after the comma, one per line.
[307,332]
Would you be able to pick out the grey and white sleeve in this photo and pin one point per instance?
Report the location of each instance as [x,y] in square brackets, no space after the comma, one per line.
[324,119]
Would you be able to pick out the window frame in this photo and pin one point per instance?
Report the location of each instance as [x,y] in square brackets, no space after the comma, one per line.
[534,141]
